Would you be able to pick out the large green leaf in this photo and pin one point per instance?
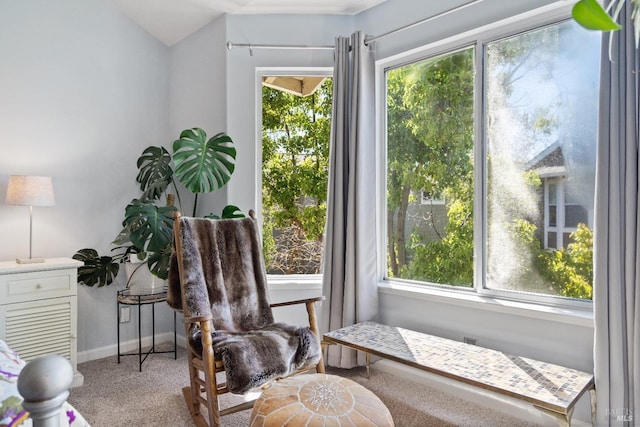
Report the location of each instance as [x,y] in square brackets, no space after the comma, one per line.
[229,211]
[154,172]
[151,226]
[123,238]
[97,270]
[203,165]
[158,262]
[591,15]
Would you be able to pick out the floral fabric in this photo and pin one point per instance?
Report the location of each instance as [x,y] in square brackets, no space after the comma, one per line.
[12,414]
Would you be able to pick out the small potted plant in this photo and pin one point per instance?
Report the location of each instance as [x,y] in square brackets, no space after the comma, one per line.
[201,165]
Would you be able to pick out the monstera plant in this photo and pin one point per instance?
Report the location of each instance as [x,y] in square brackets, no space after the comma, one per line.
[201,165]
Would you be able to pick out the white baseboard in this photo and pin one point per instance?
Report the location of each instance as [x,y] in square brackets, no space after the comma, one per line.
[505,404]
[127,347]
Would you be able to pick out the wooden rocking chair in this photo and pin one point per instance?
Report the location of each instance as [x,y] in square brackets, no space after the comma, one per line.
[218,280]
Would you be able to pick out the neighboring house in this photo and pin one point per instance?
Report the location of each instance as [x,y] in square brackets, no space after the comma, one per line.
[560,208]
[426,216]
[558,201]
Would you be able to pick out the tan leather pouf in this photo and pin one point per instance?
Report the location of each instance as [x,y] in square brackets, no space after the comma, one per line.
[318,400]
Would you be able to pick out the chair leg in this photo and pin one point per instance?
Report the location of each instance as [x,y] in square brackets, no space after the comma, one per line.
[210,380]
[213,407]
[198,418]
[313,325]
[193,402]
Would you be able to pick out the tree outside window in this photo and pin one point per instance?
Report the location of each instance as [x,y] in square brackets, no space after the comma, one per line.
[537,162]
[295,152]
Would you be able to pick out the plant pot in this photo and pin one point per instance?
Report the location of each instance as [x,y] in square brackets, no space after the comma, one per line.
[140,281]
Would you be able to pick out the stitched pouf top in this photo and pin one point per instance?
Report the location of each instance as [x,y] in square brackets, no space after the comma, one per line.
[319,400]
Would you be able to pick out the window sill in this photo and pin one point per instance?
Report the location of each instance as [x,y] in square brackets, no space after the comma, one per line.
[573,316]
[289,282]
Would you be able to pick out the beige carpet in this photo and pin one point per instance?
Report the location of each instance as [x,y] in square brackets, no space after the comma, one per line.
[118,395]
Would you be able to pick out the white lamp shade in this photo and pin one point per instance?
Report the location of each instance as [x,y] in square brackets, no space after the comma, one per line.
[30,191]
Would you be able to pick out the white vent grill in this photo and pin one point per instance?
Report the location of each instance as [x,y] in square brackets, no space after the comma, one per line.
[40,330]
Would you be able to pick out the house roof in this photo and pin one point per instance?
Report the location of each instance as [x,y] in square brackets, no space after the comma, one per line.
[551,156]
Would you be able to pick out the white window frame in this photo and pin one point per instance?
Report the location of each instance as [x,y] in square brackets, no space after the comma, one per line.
[559,229]
[311,281]
[548,15]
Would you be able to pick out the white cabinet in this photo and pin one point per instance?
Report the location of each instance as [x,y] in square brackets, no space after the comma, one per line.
[38,309]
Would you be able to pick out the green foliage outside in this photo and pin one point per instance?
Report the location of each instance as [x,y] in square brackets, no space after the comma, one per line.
[430,147]
[430,130]
[295,155]
[570,270]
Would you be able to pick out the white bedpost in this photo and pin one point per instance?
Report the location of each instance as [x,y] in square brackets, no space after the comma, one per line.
[44,384]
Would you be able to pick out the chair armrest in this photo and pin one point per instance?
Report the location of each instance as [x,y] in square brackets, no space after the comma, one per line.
[299,301]
[313,323]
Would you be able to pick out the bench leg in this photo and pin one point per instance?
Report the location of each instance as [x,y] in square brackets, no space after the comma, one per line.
[565,419]
[562,419]
[367,355]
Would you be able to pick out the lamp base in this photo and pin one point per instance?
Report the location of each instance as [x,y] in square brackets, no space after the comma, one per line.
[29,260]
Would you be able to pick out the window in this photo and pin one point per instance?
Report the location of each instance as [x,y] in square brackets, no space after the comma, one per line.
[431,198]
[503,130]
[430,147]
[564,212]
[296,112]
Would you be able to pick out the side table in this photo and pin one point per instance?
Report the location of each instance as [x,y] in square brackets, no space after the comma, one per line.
[126,297]
[39,309]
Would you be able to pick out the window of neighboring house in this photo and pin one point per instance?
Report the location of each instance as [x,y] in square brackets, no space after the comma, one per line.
[504,130]
[296,122]
[431,198]
[563,213]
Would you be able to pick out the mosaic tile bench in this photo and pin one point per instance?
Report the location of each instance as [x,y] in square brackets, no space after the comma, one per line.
[551,388]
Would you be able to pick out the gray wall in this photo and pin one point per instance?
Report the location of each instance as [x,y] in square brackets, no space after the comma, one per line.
[83,91]
[198,95]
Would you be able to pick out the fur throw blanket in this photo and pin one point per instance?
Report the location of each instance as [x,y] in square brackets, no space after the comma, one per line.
[253,358]
[224,277]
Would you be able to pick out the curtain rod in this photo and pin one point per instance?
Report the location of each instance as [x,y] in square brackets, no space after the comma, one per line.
[367,40]
[252,46]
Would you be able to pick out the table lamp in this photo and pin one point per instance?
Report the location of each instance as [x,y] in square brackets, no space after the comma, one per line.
[30,191]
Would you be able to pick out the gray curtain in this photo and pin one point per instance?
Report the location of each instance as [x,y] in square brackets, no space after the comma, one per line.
[349,282]
[617,239]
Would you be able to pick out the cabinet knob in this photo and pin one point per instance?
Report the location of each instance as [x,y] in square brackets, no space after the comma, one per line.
[39,286]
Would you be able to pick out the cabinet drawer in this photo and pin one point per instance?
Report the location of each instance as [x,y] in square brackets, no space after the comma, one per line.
[36,285]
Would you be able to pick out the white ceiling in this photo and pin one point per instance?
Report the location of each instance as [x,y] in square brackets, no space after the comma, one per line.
[172,20]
